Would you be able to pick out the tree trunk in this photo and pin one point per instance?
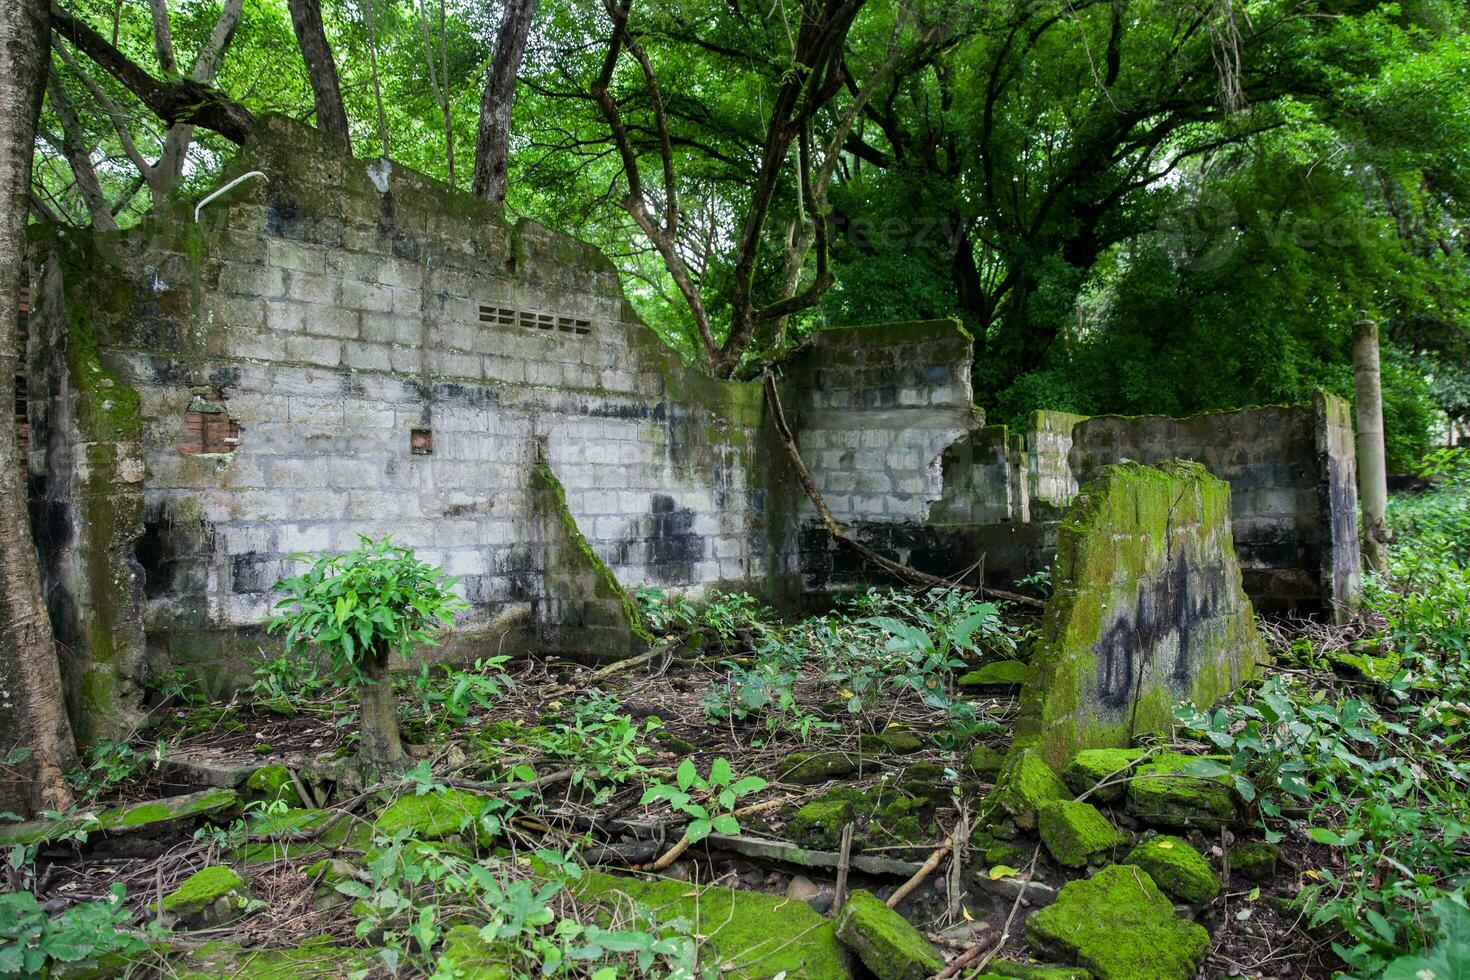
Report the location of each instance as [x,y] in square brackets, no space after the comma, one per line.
[331,117]
[32,715]
[380,749]
[79,156]
[492,142]
[1372,468]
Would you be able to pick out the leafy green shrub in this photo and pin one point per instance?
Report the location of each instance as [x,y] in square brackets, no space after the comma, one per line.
[709,802]
[360,608]
[32,945]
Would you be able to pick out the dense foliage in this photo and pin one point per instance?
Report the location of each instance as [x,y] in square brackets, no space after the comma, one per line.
[1134,206]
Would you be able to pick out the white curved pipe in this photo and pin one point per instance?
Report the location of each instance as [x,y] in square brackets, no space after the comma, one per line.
[214,194]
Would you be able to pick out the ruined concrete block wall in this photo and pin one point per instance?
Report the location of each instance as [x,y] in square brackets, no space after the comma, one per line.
[1052,484]
[390,353]
[1148,611]
[1282,489]
[981,482]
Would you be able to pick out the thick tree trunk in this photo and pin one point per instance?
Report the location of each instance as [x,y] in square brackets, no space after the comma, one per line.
[1372,468]
[492,142]
[311,36]
[380,749]
[79,156]
[32,715]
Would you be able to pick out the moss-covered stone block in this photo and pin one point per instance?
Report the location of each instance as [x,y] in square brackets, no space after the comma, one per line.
[1091,767]
[1177,868]
[984,761]
[819,823]
[1074,833]
[318,956]
[1024,785]
[433,816]
[1255,859]
[1147,611]
[271,783]
[1119,926]
[753,936]
[885,941]
[1162,793]
[998,675]
[810,768]
[467,955]
[213,895]
[1034,971]
[897,742]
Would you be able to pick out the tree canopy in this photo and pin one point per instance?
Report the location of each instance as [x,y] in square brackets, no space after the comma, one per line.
[1134,205]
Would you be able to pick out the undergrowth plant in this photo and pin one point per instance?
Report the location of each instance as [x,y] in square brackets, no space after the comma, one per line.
[33,944]
[710,801]
[360,608]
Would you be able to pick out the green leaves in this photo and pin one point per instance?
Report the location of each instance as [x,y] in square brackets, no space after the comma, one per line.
[365,603]
[30,942]
[720,793]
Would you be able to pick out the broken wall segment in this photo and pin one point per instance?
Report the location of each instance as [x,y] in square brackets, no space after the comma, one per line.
[1292,476]
[1147,612]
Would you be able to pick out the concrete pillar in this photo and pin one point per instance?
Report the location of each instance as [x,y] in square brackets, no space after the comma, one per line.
[1372,470]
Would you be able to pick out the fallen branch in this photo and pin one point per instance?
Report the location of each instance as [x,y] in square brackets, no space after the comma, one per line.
[674,853]
[777,850]
[844,862]
[537,783]
[900,571]
[602,673]
[924,871]
[989,950]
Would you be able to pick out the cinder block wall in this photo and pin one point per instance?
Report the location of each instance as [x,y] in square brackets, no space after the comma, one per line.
[349,348]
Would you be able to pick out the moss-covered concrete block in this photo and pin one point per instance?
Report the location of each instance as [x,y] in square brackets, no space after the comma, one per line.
[1074,833]
[1147,611]
[1118,925]
[1034,971]
[1177,868]
[984,761]
[433,816]
[1091,767]
[998,675]
[885,941]
[753,936]
[213,895]
[1255,859]
[1162,793]
[819,823]
[318,956]
[897,742]
[810,768]
[271,783]
[143,817]
[1025,783]
[466,954]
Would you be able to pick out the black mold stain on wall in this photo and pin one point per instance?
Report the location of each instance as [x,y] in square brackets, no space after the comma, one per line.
[673,547]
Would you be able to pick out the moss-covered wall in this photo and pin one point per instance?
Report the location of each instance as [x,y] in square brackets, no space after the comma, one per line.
[1147,611]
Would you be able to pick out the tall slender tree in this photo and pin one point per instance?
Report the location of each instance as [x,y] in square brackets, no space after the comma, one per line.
[492,141]
[321,68]
[32,715]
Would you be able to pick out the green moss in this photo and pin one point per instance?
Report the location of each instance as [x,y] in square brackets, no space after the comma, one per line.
[1075,832]
[1034,971]
[313,958]
[1118,925]
[271,783]
[982,760]
[190,806]
[997,674]
[885,941]
[1160,793]
[202,888]
[819,823]
[1090,767]
[1177,868]
[1025,783]
[810,768]
[1255,860]
[470,957]
[895,742]
[751,935]
[432,816]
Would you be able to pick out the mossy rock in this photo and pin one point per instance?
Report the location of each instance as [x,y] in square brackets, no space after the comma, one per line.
[998,675]
[1177,868]
[1012,970]
[314,957]
[212,895]
[1075,832]
[1119,926]
[1254,859]
[885,941]
[468,956]
[982,760]
[819,823]
[433,816]
[674,744]
[1161,793]
[144,817]
[810,768]
[1006,852]
[271,783]
[929,780]
[1090,767]
[757,936]
[1024,784]
[1364,665]
[894,743]
[294,833]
